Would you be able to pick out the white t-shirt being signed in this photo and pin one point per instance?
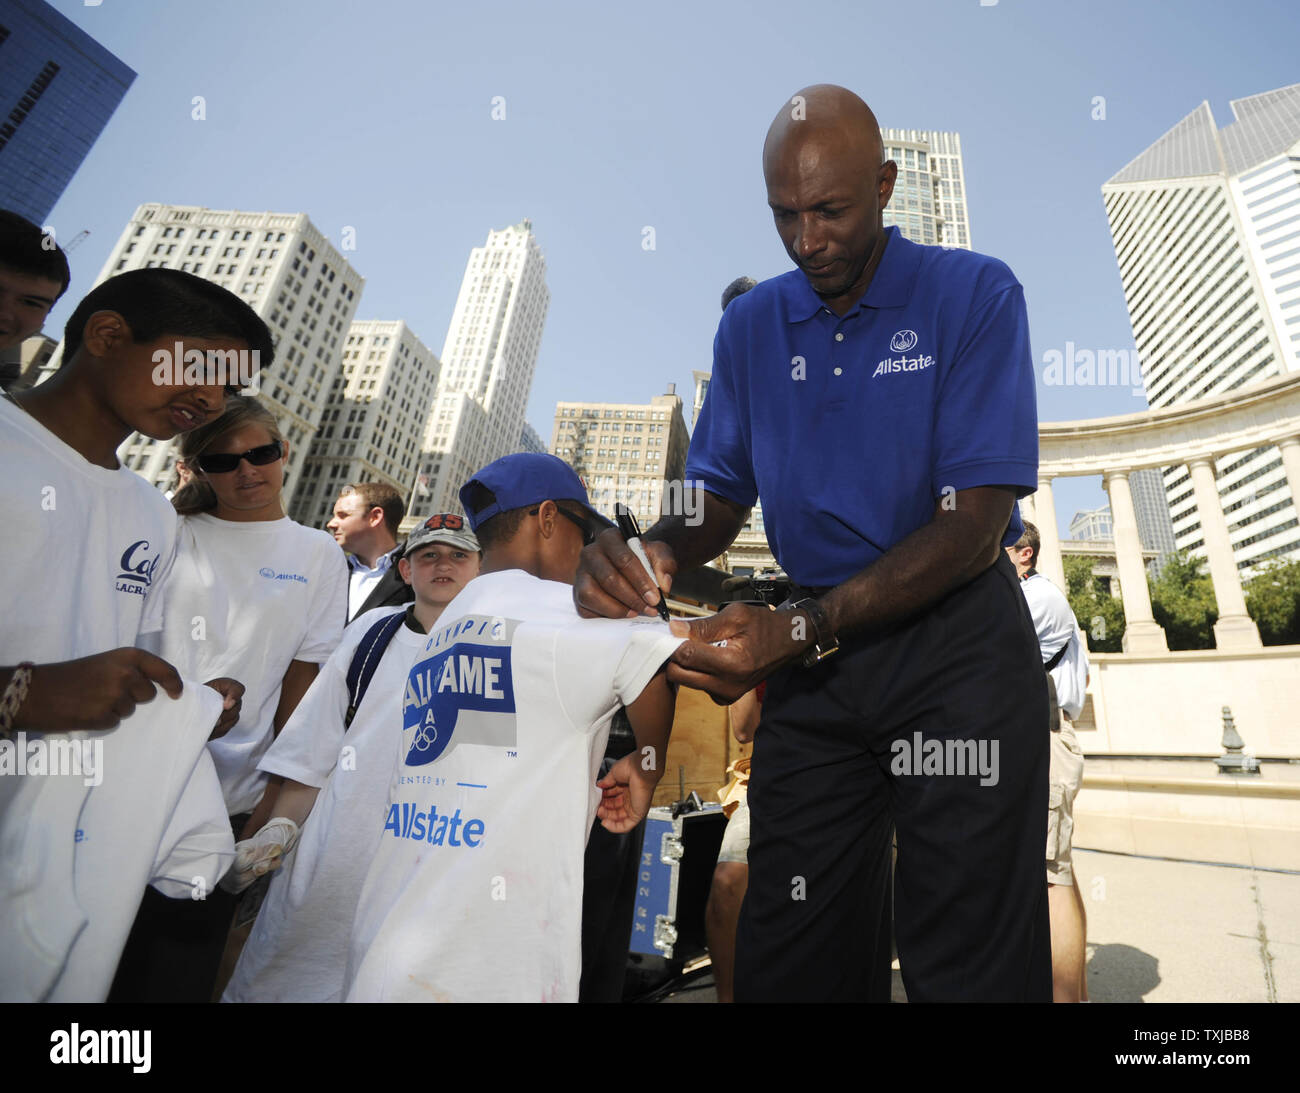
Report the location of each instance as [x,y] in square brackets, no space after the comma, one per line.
[475,891]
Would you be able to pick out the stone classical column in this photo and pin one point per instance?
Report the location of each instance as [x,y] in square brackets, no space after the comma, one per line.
[1235,629]
[1290,449]
[1027,510]
[1142,634]
[1049,546]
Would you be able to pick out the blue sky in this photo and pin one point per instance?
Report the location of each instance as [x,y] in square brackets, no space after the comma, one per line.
[378,116]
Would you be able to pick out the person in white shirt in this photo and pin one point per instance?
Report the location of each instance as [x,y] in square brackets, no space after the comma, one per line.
[475,888]
[91,545]
[253,595]
[1065,657]
[365,522]
[336,773]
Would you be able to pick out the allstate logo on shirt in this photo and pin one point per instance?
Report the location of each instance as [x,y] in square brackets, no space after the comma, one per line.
[461,694]
[271,575]
[137,567]
[903,341]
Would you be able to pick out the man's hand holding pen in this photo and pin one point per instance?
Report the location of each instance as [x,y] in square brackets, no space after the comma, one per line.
[613,582]
[727,653]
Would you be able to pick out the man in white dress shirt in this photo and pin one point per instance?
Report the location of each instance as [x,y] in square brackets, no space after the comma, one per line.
[1065,658]
[365,522]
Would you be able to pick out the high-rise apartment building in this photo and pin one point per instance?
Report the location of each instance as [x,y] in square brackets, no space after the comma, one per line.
[629,452]
[58,88]
[374,417]
[929,201]
[487,366]
[1206,228]
[283,268]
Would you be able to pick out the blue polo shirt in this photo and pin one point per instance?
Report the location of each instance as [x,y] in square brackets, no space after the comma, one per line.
[849,429]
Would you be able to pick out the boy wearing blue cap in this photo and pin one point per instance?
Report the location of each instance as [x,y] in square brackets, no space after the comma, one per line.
[475,893]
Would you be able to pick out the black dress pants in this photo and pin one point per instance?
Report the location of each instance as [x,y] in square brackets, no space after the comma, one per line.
[608,901]
[173,953]
[935,727]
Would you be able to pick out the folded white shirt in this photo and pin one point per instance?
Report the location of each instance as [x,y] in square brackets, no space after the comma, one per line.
[75,858]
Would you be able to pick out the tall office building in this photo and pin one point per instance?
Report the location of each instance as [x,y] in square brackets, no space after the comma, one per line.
[1092,524]
[1151,507]
[750,552]
[629,452]
[929,201]
[33,360]
[1206,228]
[58,88]
[701,390]
[487,366]
[530,440]
[374,417]
[283,268]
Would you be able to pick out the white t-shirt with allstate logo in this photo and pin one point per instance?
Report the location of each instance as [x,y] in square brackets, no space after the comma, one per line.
[243,600]
[475,891]
[299,945]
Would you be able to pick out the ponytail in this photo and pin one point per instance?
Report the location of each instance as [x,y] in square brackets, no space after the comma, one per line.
[197,495]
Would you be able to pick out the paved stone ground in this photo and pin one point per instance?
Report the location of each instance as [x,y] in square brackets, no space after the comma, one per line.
[1168,931]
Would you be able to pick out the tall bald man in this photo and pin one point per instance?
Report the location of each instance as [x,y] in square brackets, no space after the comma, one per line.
[879,401]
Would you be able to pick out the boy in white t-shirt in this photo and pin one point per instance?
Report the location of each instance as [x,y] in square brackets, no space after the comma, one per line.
[90,542]
[335,756]
[475,890]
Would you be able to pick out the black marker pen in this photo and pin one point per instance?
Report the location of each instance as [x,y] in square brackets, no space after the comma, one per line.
[627,528]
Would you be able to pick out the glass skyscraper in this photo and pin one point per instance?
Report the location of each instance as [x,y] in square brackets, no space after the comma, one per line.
[58,88]
[929,202]
[1206,228]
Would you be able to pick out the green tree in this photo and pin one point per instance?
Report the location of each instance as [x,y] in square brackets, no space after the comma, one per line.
[1099,614]
[1273,601]
[1182,601]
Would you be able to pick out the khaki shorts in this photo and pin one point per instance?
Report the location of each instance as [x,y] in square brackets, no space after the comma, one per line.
[735,840]
[1065,773]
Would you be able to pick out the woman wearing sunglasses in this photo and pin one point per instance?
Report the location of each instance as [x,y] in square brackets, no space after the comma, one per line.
[265,599]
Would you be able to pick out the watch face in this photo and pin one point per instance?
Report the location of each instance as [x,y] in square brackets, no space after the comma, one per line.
[817,654]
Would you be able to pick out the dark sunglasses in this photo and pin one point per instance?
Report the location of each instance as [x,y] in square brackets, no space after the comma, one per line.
[225,462]
[588,532]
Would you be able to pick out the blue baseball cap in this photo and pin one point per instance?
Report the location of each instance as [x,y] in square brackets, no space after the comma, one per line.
[524,479]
